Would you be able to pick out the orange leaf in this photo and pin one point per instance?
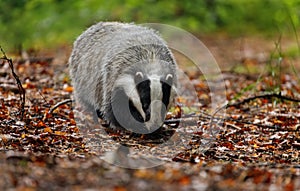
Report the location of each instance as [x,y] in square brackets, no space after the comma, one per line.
[68,89]
[185,180]
[41,124]
[289,186]
[59,133]
[47,130]
[118,188]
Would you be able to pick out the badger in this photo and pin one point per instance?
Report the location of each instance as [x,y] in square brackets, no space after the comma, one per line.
[125,74]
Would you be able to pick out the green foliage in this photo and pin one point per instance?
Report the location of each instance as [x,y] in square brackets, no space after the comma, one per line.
[36,23]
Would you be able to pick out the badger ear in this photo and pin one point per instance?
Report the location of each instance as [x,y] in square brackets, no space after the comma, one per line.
[139,76]
[169,79]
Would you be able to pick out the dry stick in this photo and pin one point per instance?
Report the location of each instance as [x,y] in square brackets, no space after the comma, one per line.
[205,116]
[268,96]
[192,117]
[20,87]
[59,104]
[274,128]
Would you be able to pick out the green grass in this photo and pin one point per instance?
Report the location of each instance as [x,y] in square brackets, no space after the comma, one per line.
[47,23]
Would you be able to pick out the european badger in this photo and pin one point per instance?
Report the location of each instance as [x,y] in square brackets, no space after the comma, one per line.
[125,73]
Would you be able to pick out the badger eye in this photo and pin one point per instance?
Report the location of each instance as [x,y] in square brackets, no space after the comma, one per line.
[169,79]
[139,76]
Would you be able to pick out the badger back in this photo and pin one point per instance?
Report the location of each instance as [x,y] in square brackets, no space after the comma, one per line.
[122,58]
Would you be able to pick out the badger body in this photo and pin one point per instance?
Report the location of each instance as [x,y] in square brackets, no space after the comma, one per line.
[125,73]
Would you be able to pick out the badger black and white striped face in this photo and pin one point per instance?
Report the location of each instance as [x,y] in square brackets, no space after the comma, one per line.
[148,96]
[154,94]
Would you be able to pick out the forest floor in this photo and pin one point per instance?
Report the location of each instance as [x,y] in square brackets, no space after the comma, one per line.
[252,143]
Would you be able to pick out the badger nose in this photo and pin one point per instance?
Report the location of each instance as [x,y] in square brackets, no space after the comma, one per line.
[148,114]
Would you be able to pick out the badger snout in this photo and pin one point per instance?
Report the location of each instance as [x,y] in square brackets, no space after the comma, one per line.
[157,115]
[147,114]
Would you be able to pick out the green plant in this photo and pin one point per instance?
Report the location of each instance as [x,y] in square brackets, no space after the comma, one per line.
[41,23]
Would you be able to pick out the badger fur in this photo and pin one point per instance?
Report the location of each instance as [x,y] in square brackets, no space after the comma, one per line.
[125,73]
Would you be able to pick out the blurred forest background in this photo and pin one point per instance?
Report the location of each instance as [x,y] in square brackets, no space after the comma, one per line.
[256,45]
[48,23]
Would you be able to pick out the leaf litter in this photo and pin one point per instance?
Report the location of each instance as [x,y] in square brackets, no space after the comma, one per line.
[256,147]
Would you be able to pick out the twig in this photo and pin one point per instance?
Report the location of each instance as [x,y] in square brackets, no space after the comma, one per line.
[205,116]
[188,118]
[268,96]
[20,87]
[59,104]
[232,125]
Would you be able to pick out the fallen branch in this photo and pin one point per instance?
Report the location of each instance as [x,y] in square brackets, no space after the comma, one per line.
[194,118]
[188,118]
[35,60]
[216,119]
[265,96]
[59,104]
[20,87]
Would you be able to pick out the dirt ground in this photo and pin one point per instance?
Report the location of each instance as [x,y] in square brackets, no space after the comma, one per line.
[253,145]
